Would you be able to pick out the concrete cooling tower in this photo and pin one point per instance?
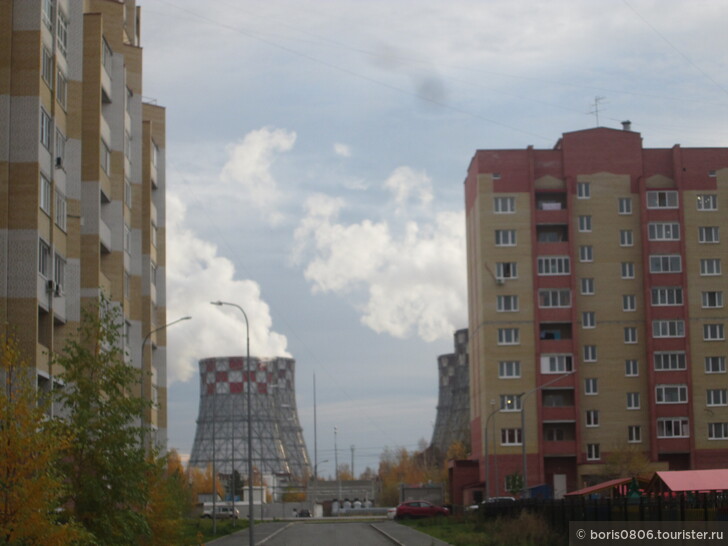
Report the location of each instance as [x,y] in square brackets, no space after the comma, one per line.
[222,426]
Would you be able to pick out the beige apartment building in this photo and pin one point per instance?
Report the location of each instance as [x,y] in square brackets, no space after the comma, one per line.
[596,308]
[82,182]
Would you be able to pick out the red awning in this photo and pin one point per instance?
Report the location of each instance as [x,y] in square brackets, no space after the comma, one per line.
[599,487]
[693,480]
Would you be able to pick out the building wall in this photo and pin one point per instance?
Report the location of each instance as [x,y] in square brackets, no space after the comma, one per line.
[77,70]
[586,273]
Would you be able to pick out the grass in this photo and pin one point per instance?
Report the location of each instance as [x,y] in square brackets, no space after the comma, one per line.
[525,530]
[198,531]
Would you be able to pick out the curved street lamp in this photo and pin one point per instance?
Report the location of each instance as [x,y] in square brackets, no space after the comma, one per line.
[250,424]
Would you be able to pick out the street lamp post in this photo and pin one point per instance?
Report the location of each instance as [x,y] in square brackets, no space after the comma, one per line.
[523,396]
[143,370]
[250,424]
[487,462]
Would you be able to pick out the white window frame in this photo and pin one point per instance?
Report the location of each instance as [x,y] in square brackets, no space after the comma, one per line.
[587,286]
[62,33]
[624,205]
[61,89]
[590,353]
[509,336]
[591,386]
[586,253]
[510,402]
[709,235]
[506,303]
[630,335]
[511,437]
[631,367]
[710,267]
[712,299]
[557,363]
[46,127]
[504,205]
[714,364]
[717,431]
[60,160]
[509,369]
[626,237]
[665,263]
[668,328]
[46,190]
[61,210]
[629,303]
[505,237]
[671,394]
[673,427]
[46,67]
[553,265]
[714,332]
[593,452]
[634,434]
[585,223]
[627,270]
[669,361]
[59,272]
[105,156]
[506,270]
[588,319]
[633,400]
[44,258]
[707,201]
[667,296]
[662,199]
[716,397]
[663,231]
[583,190]
[127,239]
[47,9]
[551,298]
[591,418]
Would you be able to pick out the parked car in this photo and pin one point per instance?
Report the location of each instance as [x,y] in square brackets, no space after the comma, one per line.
[391,512]
[221,512]
[304,513]
[491,500]
[419,509]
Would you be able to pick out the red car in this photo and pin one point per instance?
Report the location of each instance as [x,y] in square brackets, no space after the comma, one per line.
[419,509]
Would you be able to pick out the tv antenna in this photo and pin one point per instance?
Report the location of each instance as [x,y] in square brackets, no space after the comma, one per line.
[595,110]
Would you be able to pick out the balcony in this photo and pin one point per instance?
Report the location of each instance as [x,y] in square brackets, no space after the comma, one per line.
[559,448]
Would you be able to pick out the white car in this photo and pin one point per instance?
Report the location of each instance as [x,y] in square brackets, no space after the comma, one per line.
[221,512]
[391,512]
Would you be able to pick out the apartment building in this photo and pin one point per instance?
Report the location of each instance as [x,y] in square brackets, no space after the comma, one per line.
[596,308]
[81,182]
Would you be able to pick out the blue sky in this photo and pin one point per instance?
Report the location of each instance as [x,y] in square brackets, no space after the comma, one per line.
[316,152]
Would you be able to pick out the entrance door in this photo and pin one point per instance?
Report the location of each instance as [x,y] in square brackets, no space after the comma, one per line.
[559,486]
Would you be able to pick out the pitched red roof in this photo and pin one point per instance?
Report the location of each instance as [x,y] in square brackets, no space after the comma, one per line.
[599,487]
[693,480]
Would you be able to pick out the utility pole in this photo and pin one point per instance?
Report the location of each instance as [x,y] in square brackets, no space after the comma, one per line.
[353,476]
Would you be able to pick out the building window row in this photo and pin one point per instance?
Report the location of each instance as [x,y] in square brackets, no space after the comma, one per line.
[504,205]
[553,265]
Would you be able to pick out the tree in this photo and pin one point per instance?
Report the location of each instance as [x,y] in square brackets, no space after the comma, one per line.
[30,487]
[201,482]
[106,466]
[169,503]
[625,462]
[514,483]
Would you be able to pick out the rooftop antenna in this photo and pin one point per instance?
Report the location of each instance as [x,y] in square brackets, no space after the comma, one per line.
[595,111]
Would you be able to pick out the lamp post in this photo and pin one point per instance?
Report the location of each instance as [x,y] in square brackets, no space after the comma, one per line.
[142,369]
[487,462]
[523,396]
[250,424]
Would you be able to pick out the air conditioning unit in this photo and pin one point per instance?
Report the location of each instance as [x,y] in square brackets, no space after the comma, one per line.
[59,162]
[500,282]
[58,292]
[51,286]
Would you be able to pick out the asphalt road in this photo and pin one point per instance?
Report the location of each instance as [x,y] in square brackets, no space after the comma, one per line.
[331,533]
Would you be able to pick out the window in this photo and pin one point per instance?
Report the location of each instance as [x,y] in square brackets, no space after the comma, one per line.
[592,452]
[587,286]
[624,205]
[663,231]
[708,234]
[129,96]
[717,431]
[585,223]
[504,205]
[627,270]
[62,33]
[505,237]
[713,332]
[60,149]
[630,335]
[591,386]
[592,418]
[45,194]
[553,434]
[583,191]
[626,237]
[506,270]
[107,56]
[631,368]
[590,353]
[46,68]
[714,364]
[45,129]
[670,263]
[707,201]
[716,397]
[127,332]
[127,145]
[508,336]
[586,253]
[127,285]
[105,157]
[633,400]
[588,319]
[61,89]
[44,258]
[629,302]
[710,267]
[153,231]
[668,328]
[634,434]
[712,299]
[673,427]
[554,297]
[510,402]
[47,13]
[127,239]
[671,394]
[153,274]
[556,363]
[508,369]
[507,303]
[554,265]
[155,156]
[59,272]
[60,210]
[128,199]
[669,360]
[511,436]
[668,295]
[662,200]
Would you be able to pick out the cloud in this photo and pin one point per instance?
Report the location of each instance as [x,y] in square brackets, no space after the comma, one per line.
[342,150]
[406,279]
[197,275]
[249,167]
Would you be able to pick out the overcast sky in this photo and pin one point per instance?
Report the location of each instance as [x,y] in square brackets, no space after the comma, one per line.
[316,152]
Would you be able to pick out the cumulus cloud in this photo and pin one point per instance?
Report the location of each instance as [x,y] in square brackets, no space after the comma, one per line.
[249,164]
[405,279]
[342,150]
[197,275]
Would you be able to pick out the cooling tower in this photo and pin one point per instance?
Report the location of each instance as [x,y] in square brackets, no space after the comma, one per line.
[222,423]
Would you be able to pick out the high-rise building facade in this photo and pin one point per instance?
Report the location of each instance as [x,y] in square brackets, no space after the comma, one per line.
[82,182]
[596,308]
